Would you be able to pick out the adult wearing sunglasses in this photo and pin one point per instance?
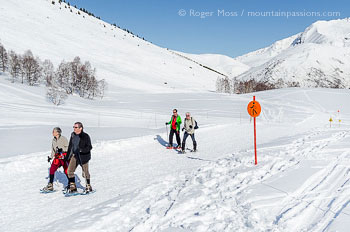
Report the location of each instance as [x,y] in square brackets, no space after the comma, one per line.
[175,123]
[79,154]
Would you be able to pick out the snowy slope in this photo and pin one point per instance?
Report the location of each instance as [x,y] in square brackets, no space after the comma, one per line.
[53,32]
[259,57]
[317,57]
[141,186]
[301,182]
[221,63]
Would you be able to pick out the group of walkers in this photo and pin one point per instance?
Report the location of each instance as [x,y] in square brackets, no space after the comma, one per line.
[69,156]
[78,150]
[190,125]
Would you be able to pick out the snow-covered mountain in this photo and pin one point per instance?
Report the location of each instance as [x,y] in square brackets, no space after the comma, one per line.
[317,57]
[61,32]
[221,63]
[301,182]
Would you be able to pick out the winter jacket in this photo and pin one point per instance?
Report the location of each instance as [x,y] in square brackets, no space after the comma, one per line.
[189,122]
[178,122]
[83,155]
[61,143]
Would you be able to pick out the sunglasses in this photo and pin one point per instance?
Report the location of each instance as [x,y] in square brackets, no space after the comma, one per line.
[75,127]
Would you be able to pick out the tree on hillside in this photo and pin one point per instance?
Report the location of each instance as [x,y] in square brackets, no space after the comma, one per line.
[224,85]
[48,72]
[3,58]
[102,87]
[14,65]
[31,68]
[63,77]
[56,95]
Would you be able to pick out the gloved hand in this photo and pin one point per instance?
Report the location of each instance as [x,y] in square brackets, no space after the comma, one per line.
[191,126]
[49,159]
[166,123]
[183,129]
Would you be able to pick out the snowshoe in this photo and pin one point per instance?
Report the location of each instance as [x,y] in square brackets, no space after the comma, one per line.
[88,188]
[48,188]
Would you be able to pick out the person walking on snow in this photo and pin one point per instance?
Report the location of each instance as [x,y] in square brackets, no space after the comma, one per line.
[175,123]
[189,127]
[79,154]
[58,154]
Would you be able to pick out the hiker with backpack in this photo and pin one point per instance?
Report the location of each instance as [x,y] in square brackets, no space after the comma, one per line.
[190,125]
[59,149]
[175,123]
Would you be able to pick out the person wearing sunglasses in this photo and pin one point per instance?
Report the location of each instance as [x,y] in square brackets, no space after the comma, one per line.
[59,148]
[175,123]
[79,150]
[190,125]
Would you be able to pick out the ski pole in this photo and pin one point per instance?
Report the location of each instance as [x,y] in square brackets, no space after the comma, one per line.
[167,134]
[49,160]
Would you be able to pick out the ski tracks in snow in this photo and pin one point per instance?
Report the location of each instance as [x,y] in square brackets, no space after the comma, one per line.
[323,196]
[214,197]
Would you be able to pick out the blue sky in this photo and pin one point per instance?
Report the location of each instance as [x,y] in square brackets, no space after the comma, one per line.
[226,30]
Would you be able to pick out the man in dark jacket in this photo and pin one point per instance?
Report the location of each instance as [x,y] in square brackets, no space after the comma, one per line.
[79,154]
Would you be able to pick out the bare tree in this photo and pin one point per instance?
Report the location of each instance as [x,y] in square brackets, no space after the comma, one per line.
[227,85]
[88,84]
[31,68]
[14,65]
[56,95]
[219,85]
[3,58]
[102,87]
[48,72]
[64,77]
[224,85]
[75,73]
[70,77]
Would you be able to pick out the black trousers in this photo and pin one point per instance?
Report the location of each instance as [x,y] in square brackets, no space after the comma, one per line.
[193,140]
[171,135]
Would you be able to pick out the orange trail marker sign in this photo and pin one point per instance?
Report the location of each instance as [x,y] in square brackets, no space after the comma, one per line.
[254,110]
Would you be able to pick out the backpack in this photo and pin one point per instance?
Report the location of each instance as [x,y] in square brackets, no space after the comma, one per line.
[196,125]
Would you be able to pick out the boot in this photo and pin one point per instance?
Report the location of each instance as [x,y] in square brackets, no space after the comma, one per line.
[194,147]
[48,187]
[88,188]
[183,147]
[170,146]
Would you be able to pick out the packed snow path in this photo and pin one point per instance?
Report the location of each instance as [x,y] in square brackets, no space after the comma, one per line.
[225,194]
[300,183]
[232,195]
